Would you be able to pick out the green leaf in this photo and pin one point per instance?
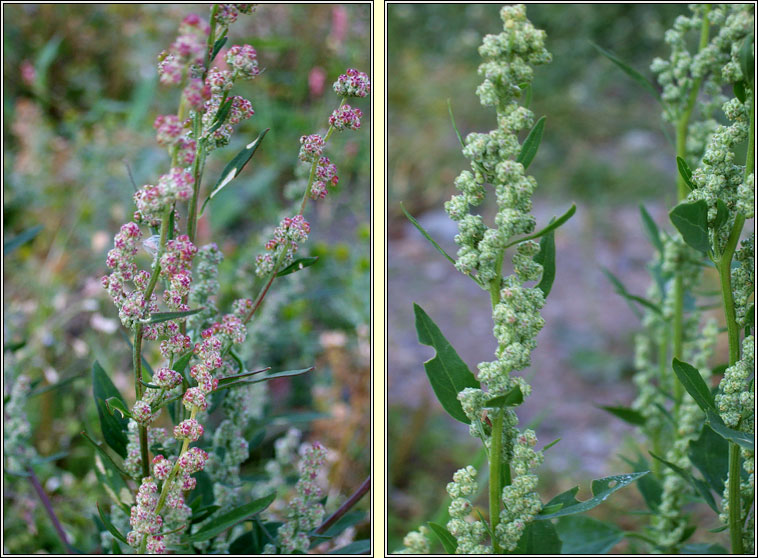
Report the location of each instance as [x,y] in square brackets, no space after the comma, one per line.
[205,512]
[56,385]
[551,444]
[710,454]
[693,382]
[217,46]
[284,374]
[108,525]
[691,220]
[158,317]
[700,486]
[357,547]
[546,258]
[747,58]
[297,265]
[426,234]
[621,290]
[113,404]
[231,518]
[452,120]
[703,548]
[601,489]
[531,144]
[183,361]
[552,225]
[649,487]
[113,428]
[245,374]
[685,172]
[722,214]
[513,398]
[651,229]
[448,541]
[742,439]
[447,373]
[20,239]
[104,454]
[539,537]
[235,166]
[631,72]
[585,535]
[738,87]
[220,118]
[344,522]
[626,414]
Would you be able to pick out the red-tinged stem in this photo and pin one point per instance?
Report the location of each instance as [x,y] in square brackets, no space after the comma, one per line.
[344,508]
[49,508]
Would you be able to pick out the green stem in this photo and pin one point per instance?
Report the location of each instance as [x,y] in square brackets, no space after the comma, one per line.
[735,500]
[329,133]
[139,332]
[496,464]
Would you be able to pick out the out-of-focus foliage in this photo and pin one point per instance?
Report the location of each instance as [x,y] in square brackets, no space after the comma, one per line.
[80,96]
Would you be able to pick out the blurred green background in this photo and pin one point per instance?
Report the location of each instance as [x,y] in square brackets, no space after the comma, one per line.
[80,96]
[605,149]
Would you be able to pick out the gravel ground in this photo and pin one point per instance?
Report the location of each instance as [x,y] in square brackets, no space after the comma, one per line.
[583,350]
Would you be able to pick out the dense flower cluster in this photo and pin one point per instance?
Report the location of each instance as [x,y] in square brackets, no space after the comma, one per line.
[469,534]
[284,243]
[304,512]
[346,118]
[18,450]
[244,61]
[311,148]
[352,84]
[152,200]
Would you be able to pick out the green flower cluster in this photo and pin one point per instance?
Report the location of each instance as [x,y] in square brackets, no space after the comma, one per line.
[469,534]
[416,542]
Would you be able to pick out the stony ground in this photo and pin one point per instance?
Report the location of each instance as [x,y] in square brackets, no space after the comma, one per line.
[584,353]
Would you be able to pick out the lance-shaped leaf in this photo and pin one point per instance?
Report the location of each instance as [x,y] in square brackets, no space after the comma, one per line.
[108,525]
[747,58]
[685,172]
[20,239]
[449,543]
[217,46]
[546,258]
[738,88]
[698,484]
[531,144]
[426,234]
[621,290]
[742,439]
[554,224]
[113,428]
[114,404]
[452,121]
[231,518]
[285,374]
[158,317]
[628,70]
[648,485]
[235,166]
[447,372]
[220,118]
[362,546]
[693,382]
[626,414]
[722,214]
[691,220]
[297,265]
[104,454]
[601,489]
[651,229]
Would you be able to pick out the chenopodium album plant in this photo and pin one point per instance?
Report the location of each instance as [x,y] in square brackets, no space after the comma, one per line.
[687,425]
[174,305]
[518,521]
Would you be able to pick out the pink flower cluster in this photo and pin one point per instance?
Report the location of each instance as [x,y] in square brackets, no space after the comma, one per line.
[168,129]
[326,174]
[144,520]
[290,232]
[230,330]
[172,187]
[346,118]
[311,148]
[244,61]
[241,109]
[188,429]
[352,84]
[187,50]
[197,92]
[219,81]
[167,378]
[226,14]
